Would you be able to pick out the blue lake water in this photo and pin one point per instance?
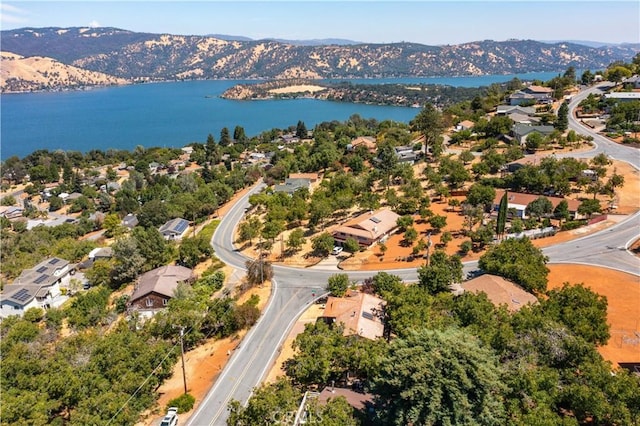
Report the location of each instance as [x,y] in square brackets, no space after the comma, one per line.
[174,114]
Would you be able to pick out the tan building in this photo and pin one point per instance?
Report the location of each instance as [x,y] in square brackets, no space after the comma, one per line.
[368,228]
[500,291]
[369,142]
[359,312]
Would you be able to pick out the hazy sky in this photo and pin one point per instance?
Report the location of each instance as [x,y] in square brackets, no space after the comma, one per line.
[426,22]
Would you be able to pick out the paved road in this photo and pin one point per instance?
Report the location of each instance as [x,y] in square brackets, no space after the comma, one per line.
[293,290]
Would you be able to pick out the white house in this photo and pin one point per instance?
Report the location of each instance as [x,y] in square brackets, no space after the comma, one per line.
[38,287]
[174,229]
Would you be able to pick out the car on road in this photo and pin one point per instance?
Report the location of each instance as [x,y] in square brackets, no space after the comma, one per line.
[336,250]
[171,418]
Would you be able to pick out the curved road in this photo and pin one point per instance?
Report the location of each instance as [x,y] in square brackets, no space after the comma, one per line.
[294,289]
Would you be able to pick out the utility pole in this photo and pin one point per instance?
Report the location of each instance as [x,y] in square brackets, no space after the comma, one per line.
[184,374]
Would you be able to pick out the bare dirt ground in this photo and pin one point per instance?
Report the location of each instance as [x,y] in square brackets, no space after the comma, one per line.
[623,313]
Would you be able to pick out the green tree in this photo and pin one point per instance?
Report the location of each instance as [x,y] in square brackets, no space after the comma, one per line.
[410,235]
[338,284]
[239,134]
[323,244]
[562,122]
[539,208]
[438,222]
[580,309]
[383,282]
[225,137]
[152,246]
[128,262]
[562,211]
[534,141]
[466,157]
[351,245]
[429,122]
[502,214]
[518,260]
[441,271]
[249,229]
[480,195]
[434,377]
[589,207]
[296,239]
[55,203]
[301,130]
[113,226]
[269,404]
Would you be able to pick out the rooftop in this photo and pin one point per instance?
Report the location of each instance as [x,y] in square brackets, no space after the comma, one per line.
[359,312]
[500,291]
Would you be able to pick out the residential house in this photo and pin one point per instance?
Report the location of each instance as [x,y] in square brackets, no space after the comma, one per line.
[101,253]
[633,81]
[174,229]
[360,314]
[313,177]
[130,221]
[519,201]
[69,198]
[623,96]
[519,98]
[500,291]
[540,93]
[465,125]
[406,154]
[11,212]
[517,117]
[368,228]
[527,160]
[522,131]
[38,287]
[187,150]
[368,142]
[156,287]
[511,109]
[291,185]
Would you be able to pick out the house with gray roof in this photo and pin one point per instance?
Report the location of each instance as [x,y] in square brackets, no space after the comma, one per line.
[510,109]
[174,229]
[521,131]
[623,96]
[37,287]
[292,184]
[156,287]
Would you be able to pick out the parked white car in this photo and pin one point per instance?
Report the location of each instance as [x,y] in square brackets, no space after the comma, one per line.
[336,250]
[171,419]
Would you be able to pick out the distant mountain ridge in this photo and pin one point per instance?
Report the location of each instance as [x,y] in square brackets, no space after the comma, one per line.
[155,57]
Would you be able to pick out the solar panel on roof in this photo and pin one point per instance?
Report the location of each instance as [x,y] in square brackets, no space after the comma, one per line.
[41,279]
[41,269]
[181,226]
[54,261]
[367,315]
[22,295]
[375,220]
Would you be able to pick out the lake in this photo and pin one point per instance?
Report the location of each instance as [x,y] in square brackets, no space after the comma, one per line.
[173,114]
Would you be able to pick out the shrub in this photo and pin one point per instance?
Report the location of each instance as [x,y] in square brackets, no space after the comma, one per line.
[184,403]
[572,224]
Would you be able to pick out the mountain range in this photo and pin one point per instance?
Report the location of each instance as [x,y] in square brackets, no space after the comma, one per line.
[121,54]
